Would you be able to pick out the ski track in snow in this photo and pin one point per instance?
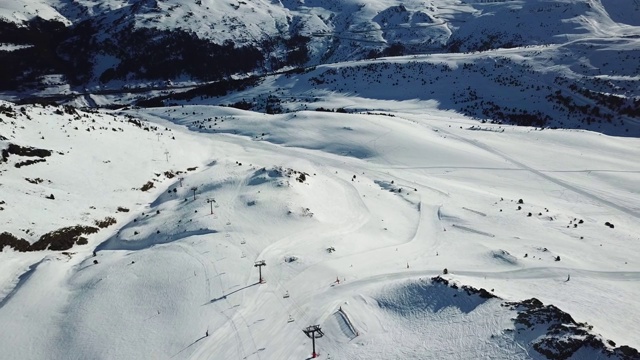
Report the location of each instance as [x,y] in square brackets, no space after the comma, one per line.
[249,320]
[234,305]
[389,200]
[575,189]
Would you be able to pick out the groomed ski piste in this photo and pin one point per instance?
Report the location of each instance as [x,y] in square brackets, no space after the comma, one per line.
[353,215]
[393,219]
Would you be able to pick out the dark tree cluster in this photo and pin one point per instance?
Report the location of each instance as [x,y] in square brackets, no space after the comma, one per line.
[26,151]
[214,89]
[57,240]
[142,53]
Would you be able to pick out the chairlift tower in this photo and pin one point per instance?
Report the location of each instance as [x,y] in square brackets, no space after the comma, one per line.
[259,265]
[313,332]
[211,201]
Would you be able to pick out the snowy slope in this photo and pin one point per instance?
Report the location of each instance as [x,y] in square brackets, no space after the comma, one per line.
[399,197]
[385,159]
[21,11]
[98,164]
[585,84]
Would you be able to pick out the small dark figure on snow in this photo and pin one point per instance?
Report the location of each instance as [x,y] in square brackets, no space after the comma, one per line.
[206,333]
[445,271]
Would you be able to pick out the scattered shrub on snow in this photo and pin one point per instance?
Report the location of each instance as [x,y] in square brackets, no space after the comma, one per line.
[147,186]
[23,151]
[28,162]
[62,239]
[108,221]
[563,336]
[7,239]
[34,181]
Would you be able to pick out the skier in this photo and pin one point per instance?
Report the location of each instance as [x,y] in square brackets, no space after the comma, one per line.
[206,333]
[568,277]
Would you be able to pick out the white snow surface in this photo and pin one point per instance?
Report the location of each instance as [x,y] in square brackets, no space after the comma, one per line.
[393,192]
[20,11]
[12,47]
[399,197]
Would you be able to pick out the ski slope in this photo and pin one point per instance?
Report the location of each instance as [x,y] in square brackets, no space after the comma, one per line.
[398,196]
[371,176]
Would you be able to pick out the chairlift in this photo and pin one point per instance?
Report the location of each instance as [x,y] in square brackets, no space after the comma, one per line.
[286,294]
[290,319]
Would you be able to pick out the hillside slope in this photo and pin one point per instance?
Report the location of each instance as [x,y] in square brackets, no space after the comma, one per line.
[154,154]
[350,212]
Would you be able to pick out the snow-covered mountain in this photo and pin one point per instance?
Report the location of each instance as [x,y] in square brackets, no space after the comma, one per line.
[514,86]
[116,42]
[153,153]
[568,64]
